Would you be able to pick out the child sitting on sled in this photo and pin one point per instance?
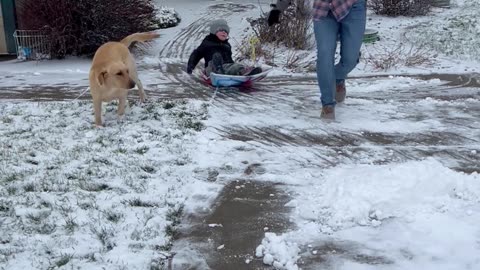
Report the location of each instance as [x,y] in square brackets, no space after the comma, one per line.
[217,52]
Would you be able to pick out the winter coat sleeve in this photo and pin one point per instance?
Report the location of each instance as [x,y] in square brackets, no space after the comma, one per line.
[195,57]
[228,57]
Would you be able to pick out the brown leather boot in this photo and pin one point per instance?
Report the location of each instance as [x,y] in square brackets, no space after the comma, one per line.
[340,93]
[328,113]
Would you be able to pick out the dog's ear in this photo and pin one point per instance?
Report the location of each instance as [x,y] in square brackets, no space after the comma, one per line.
[101,77]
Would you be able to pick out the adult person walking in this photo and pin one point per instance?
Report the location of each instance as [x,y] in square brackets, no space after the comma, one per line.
[332,19]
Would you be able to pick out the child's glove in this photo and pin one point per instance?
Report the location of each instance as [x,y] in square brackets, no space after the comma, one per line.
[277,9]
[273,17]
[189,70]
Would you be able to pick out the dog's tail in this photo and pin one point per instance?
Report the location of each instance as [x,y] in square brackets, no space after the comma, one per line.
[140,37]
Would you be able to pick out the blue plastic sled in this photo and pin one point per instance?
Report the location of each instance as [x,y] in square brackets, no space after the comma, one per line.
[222,80]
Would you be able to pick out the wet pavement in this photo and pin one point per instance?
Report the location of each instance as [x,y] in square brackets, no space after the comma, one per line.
[228,236]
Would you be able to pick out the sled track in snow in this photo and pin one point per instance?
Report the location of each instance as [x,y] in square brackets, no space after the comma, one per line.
[340,147]
[457,142]
[182,45]
[182,85]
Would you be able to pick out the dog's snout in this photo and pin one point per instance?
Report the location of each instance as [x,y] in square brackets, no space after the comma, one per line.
[131,84]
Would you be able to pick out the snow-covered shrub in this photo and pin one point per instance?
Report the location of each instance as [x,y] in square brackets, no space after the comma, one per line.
[166,17]
[79,27]
[400,7]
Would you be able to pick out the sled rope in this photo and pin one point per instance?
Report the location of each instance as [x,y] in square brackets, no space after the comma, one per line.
[81,94]
[253,42]
[214,95]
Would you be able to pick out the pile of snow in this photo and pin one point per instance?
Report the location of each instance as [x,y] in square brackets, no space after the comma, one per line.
[367,195]
[386,210]
[278,252]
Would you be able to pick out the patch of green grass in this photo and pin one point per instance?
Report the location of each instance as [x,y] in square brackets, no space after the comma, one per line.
[46,228]
[63,260]
[137,202]
[94,187]
[167,247]
[102,140]
[151,107]
[148,169]
[181,162]
[76,176]
[45,204]
[70,224]
[5,206]
[136,246]
[31,161]
[171,231]
[174,215]
[61,125]
[158,264]
[195,125]
[103,161]
[121,150]
[183,114]
[51,167]
[16,112]
[53,183]
[142,150]
[18,132]
[90,257]
[7,120]
[113,216]
[168,105]
[65,208]
[29,187]
[105,236]
[37,218]
[38,223]
[11,190]
[138,183]
[12,177]
[87,205]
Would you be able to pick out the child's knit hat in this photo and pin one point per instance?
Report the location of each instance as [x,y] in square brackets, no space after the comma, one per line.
[218,25]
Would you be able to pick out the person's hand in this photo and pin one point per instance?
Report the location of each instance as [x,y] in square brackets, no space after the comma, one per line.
[273,17]
[189,71]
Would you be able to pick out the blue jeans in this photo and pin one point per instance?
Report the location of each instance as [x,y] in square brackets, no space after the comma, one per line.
[350,31]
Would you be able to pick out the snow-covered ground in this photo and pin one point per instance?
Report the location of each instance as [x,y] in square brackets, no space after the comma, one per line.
[392,179]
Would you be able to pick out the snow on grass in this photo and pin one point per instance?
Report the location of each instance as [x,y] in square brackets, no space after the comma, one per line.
[456,36]
[73,195]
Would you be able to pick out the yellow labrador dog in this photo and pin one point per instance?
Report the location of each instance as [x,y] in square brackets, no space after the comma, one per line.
[113,73]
